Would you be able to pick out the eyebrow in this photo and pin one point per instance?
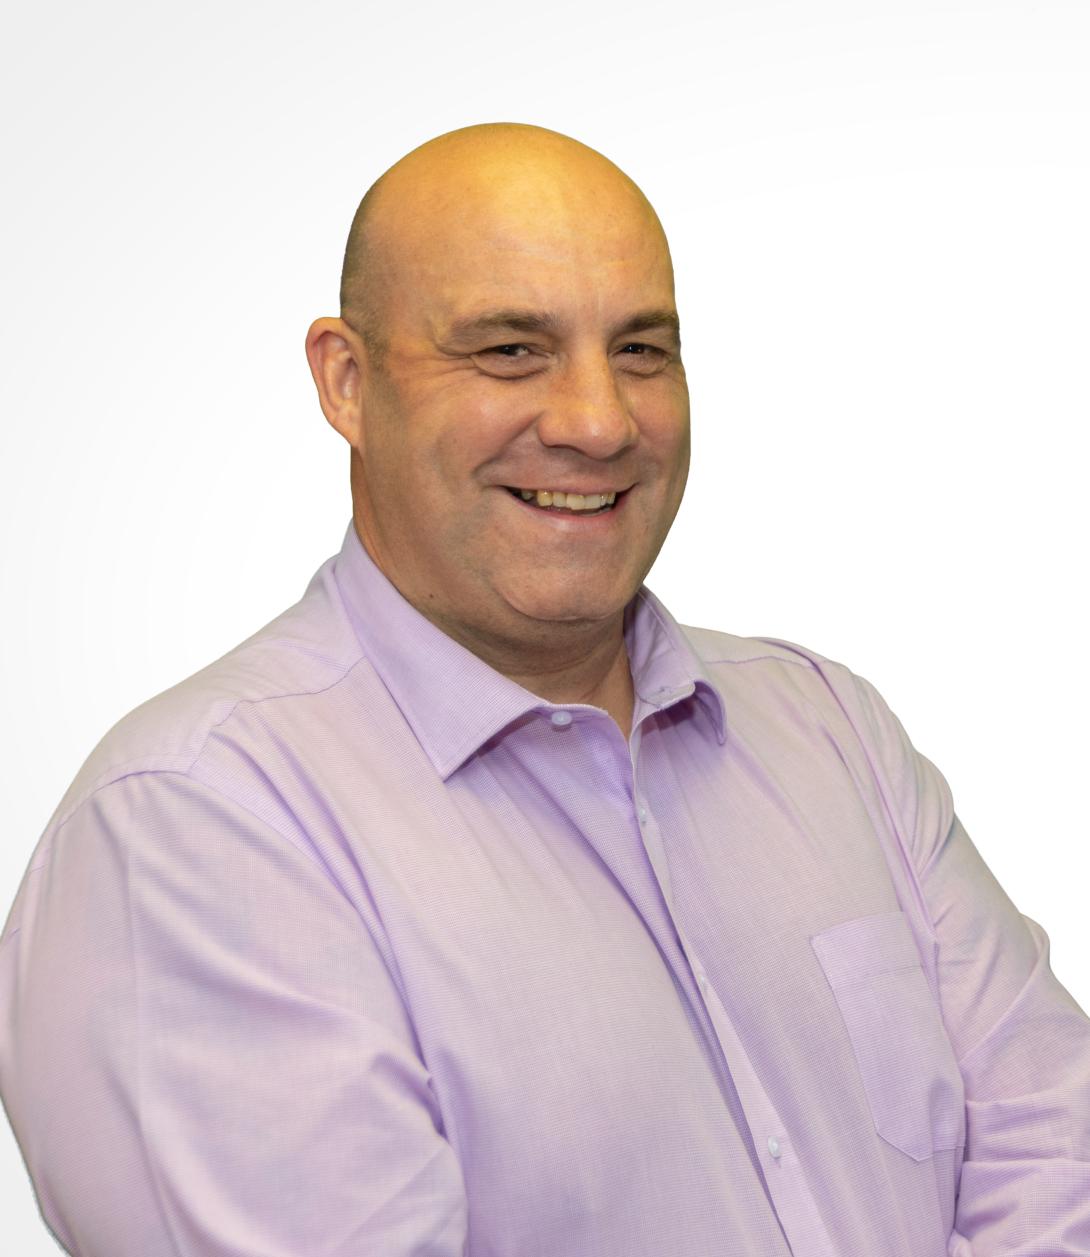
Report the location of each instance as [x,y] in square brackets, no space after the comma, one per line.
[542,321]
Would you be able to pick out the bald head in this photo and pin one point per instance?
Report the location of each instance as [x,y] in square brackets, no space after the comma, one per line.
[447,184]
[519,288]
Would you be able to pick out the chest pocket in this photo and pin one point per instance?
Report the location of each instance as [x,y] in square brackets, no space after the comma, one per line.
[908,1068]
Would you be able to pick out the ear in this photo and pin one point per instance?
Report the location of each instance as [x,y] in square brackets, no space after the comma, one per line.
[337,357]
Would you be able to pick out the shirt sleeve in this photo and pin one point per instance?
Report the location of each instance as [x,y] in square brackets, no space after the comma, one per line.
[202,1050]
[1022,1042]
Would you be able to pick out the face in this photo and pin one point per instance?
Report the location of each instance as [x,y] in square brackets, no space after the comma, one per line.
[532,349]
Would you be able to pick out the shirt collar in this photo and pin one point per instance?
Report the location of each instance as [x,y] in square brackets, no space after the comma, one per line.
[454,701]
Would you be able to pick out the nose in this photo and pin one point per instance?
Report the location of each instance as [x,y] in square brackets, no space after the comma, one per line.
[587,409]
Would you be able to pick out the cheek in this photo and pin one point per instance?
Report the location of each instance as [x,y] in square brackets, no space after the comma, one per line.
[666,438]
[685,448]
[478,433]
[660,406]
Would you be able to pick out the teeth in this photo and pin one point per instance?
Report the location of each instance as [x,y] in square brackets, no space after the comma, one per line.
[572,501]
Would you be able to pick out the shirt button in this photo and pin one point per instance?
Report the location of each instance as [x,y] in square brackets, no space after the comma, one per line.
[774,1148]
[561,719]
[641,812]
[702,982]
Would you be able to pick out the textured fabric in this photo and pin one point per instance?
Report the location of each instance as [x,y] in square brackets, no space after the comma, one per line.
[350,945]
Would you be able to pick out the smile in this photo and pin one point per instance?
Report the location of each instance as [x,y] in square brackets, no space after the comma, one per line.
[575,503]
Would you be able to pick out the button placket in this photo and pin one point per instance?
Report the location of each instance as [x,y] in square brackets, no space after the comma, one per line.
[787,1183]
[650,837]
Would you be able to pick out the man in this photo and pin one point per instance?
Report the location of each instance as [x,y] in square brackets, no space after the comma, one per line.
[474,906]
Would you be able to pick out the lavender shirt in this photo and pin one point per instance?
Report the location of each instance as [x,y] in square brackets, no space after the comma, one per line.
[348,945]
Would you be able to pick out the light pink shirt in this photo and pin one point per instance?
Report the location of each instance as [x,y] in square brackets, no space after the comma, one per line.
[348,945]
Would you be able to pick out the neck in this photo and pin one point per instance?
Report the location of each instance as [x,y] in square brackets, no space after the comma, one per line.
[586,664]
[601,680]
[584,661]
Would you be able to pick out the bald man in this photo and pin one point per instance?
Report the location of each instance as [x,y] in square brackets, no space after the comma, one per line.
[474,906]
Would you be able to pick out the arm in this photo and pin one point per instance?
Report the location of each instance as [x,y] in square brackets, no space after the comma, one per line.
[1022,1042]
[204,1053]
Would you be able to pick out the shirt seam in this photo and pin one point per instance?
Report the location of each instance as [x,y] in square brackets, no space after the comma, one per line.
[777,648]
[269,698]
[188,775]
[145,1152]
[877,973]
[167,761]
[888,793]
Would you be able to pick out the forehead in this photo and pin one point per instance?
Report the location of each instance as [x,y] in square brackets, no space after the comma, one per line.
[572,276]
[569,238]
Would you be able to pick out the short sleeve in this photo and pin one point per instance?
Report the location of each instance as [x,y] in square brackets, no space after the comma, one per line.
[202,1051]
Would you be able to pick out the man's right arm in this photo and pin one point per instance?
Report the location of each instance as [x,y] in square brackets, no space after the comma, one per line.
[202,1051]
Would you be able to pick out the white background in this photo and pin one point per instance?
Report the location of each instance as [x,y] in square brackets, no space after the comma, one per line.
[879,221]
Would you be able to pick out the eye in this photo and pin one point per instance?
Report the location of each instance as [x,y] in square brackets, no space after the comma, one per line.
[509,361]
[644,359]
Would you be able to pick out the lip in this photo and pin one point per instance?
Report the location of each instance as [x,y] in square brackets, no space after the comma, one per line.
[594,488]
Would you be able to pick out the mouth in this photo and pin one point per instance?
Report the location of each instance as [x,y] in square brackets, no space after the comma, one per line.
[560,503]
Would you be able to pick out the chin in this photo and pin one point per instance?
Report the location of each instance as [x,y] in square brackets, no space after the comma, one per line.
[557,597]
[563,611]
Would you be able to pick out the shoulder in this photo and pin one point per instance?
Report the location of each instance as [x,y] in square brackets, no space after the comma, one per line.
[782,679]
[770,660]
[303,653]
[775,676]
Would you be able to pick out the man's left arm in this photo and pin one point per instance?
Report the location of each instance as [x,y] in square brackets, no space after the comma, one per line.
[1022,1042]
